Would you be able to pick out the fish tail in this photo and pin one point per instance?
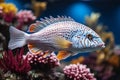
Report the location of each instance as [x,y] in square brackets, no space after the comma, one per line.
[17,38]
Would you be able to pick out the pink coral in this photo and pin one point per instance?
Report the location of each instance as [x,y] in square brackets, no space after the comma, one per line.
[42,61]
[16,64]
[78,72]
[25,16]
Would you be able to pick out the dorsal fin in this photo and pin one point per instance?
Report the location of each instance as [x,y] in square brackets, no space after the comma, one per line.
[47,21]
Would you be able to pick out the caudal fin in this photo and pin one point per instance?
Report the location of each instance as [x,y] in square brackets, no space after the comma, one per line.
[17,38]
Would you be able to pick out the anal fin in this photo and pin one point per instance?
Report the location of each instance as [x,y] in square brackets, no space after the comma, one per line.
[63,54]
[34,49]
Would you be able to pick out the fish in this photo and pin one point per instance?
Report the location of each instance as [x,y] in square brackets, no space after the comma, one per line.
[62,34]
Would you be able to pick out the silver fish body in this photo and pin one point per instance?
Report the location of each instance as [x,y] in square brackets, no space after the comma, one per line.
[57,32]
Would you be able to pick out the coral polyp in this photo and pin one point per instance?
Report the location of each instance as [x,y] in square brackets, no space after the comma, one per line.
[43,62]
[78,72]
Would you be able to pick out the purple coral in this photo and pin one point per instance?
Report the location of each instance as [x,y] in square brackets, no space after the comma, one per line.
[78,72]
[8,17]
[43,62]
[16,64]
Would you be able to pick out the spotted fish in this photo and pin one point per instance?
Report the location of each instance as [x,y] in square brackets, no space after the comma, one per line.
[62,34]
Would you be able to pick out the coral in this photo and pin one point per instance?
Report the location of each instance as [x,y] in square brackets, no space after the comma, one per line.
[43,65]
[8,8]
[105,62]
[12,76]
[43,62]
[8,17]
[7,13]
[38,7]
[92,19]
[15,64]
[78,72]
[106,69]
[24,16]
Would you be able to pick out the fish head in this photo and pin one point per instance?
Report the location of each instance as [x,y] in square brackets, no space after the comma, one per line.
[87,40]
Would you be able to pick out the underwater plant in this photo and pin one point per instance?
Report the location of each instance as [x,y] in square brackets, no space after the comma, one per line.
[16,65]
[78,72]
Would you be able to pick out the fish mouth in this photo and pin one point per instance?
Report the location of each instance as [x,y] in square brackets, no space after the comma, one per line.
[101,45]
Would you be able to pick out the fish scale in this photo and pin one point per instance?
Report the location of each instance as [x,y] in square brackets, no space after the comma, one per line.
[61,34]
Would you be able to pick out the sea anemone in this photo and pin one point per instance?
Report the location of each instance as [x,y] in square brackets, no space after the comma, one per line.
[43,62]
[78,72]
[15,64]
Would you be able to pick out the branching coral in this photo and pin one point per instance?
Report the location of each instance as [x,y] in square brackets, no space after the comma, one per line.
[78,72]
[24,17]
[43,62]
[15,64]
[43,65]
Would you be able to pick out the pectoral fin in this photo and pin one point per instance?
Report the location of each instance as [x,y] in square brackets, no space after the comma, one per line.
[63,43]
[63,54]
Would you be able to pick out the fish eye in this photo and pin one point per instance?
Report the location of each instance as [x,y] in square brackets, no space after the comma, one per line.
[90,37]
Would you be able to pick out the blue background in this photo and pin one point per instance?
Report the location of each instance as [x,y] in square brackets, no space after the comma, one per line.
[77,9]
